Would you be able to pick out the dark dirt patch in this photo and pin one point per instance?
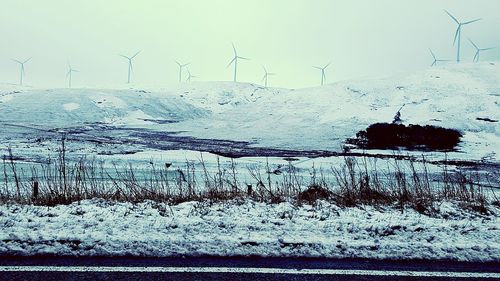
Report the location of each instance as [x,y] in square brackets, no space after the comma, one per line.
[486,120]
[412,137]
[161,121]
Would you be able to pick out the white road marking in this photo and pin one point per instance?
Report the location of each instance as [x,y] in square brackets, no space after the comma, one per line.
[155,269]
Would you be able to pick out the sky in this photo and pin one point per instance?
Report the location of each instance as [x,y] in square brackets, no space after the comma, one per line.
[361,38]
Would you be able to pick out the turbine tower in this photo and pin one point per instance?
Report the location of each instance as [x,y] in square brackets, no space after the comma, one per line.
[69,74]
[188,79]
[434,63]
[323,77]
[235,60]
[180,69]
[458,33]
[266,74]
[21,63]
[478,50]
[130,67]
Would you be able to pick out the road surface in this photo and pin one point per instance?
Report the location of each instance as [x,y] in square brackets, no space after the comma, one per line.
[238,268]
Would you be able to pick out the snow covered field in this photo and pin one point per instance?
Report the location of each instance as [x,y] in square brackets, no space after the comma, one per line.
[174,125]
[96,227]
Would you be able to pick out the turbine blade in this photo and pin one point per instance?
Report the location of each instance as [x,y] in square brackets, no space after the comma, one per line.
[475,46]
[234,49]
[124,57]
[485,49]
[317,67]
[180,65]
[186,64]
[26,60]
[432,53]
[475,56]
[231,62]
[17,61]
[455,19]
[327,65]
[467,22]
[243,58]
[433,63]
[264,77]
[135,55]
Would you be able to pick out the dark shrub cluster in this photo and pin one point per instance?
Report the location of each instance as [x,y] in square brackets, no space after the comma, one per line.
[314,193]
[413,137]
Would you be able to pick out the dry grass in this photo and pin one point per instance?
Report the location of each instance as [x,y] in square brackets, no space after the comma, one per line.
[355,182]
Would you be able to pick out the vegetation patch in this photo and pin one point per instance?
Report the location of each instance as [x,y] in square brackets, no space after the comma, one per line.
[412,137]
[314,193]
[355,182]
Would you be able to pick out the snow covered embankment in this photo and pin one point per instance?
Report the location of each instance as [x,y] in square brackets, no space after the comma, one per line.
[97,227]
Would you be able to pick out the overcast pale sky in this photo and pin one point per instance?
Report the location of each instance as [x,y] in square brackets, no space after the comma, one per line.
[362,38]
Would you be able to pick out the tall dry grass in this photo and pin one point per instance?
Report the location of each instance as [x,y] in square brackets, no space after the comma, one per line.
[402,183]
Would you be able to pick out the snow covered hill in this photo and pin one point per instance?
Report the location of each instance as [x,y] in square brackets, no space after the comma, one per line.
[464,97]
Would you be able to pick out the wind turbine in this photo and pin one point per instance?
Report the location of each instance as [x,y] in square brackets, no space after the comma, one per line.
[69,74]
[266,74]
[434,63]
[323,77]
[22,69]
[235,60]
[478,50]
[190,76]
[130,67]
[458,33]
[180,69]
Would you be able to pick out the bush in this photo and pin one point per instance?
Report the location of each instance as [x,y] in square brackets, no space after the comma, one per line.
[314,193]
[413,137]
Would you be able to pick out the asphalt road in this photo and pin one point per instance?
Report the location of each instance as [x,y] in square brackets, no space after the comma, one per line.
[238,268]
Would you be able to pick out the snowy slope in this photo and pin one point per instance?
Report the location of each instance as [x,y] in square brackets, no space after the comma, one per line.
[319,118]
[323,117]
[71,107]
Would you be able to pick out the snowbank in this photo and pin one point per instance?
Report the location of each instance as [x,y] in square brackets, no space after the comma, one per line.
[103,228]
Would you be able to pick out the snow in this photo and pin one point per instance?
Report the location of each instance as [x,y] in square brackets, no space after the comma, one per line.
[71,106]
[97,227]
[105,100]
[319,118]
[42,107]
